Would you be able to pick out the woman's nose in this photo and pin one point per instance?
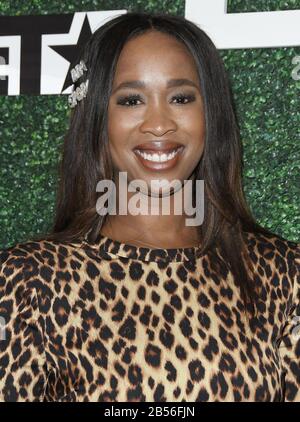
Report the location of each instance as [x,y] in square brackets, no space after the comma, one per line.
[157,120]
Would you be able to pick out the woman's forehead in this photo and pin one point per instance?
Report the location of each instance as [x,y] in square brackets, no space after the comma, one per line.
[163,62]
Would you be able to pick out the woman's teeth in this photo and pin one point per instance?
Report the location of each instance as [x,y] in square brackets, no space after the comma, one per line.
[158,158]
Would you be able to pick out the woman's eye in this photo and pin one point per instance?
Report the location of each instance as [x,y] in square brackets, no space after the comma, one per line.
[130,100]
[184,97]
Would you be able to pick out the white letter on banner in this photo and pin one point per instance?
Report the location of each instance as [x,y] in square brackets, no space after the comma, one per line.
[244,30]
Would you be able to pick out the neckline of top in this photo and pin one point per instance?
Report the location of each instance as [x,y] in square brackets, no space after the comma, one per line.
[105,245]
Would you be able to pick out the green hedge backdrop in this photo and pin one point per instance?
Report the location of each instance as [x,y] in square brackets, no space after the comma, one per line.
[267,102]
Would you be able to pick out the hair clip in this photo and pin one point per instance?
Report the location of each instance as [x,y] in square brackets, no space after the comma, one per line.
[78,70]
[80,92]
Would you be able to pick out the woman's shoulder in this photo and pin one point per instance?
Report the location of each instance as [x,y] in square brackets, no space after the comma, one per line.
[274,256]
[28,259]
[271,244]
[22,253]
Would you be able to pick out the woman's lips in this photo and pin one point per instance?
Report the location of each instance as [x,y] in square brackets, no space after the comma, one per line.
[159,165]
[166,145]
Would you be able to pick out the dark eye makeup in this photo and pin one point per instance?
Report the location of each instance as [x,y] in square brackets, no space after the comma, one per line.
[125,99]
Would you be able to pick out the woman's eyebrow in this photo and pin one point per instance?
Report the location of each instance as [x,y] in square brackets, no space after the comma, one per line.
[170,84]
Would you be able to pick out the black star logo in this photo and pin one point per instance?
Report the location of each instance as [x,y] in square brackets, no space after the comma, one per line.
[73,52]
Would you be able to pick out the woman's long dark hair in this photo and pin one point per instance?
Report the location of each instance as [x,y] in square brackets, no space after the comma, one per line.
[86,158]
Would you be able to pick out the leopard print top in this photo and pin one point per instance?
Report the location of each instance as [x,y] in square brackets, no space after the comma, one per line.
[117,322]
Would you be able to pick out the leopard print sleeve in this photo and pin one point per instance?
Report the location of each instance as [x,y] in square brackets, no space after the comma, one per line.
[23,371]
[289,347]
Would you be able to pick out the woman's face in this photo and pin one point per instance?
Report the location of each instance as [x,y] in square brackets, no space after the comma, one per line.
[152,116]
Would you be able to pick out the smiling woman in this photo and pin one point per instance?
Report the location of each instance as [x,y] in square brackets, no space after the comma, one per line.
[142,307]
